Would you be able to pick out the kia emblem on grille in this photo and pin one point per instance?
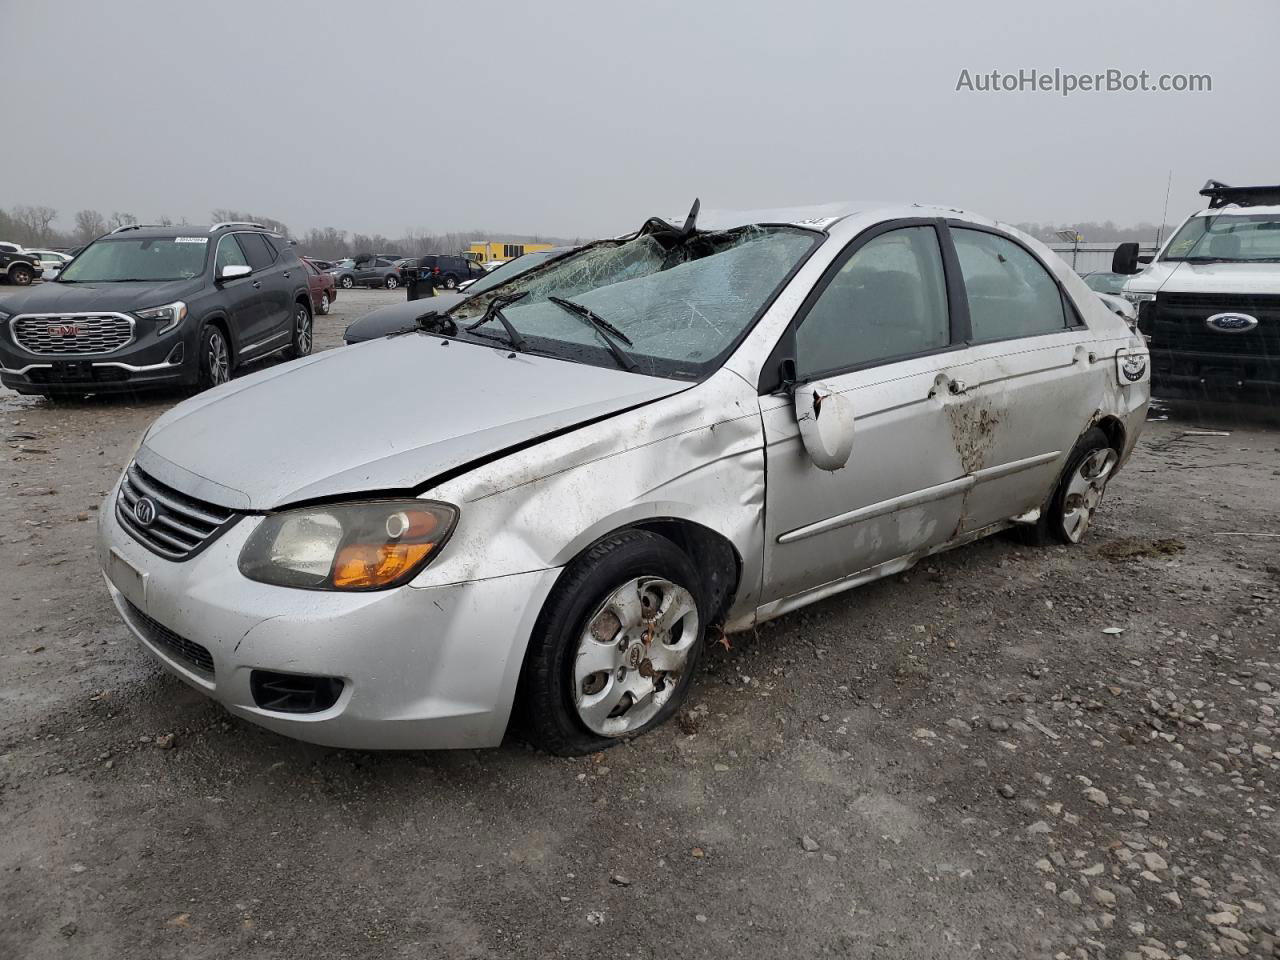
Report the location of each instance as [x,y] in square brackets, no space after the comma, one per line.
[1231,322]
[144,511]
[63,330]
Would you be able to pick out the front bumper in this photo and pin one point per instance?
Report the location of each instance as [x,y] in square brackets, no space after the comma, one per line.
[149,361]
[422,667]
[1203,373]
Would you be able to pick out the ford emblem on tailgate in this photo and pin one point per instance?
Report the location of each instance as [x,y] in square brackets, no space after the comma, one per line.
[1231,322]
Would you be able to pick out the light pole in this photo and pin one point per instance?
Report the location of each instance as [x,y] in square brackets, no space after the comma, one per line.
[1070,236]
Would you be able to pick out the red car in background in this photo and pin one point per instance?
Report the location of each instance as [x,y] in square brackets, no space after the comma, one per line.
[324,289]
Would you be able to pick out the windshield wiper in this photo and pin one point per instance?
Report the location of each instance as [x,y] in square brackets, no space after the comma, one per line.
[494,312]
[602,326]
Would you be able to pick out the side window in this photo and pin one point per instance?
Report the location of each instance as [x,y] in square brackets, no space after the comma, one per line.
[1010,293]
[888,300]
[229,254]
[256,249]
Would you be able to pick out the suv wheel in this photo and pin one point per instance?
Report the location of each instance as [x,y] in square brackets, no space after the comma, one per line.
[451,282]
[21,274]
[215,357]
[324,305]
[302,332]
[347,283]
[391,282]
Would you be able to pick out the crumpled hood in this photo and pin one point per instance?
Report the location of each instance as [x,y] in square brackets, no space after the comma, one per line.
[386,415]
[114,297]
[1182,277]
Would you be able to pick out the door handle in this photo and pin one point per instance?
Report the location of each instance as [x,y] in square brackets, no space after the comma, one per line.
[257,284]
[958,387]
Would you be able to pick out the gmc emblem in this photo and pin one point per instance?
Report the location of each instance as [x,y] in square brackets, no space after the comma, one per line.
[62,330]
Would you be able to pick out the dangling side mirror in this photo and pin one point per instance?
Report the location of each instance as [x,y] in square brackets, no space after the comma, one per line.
[826,424]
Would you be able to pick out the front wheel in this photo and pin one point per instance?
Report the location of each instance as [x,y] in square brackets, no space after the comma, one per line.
[300,346]
[215,358]
[21,275]
[451,283]
[616,647]
[1075,500]
[347,283]
[324,305]
[391,283]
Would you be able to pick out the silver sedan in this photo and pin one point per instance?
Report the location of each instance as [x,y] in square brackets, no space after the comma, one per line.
[535,507]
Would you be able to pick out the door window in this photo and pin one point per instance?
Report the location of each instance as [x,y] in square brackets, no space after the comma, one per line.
[256,249]
[1010,293]
[229,254]
[888,300]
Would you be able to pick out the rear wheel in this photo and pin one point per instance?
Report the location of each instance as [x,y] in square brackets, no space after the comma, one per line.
[215,357]
[324,304]
[1071,508]
[391,283]
[300,346]
[347,283]
[616,646]
[21,275]
[451,282]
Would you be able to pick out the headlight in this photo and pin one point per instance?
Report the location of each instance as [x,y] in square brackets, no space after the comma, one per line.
[171,314]
[1134,296]
[347,546]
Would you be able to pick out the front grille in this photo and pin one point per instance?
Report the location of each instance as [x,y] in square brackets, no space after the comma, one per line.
[72,334]
[169,523]
[188,651]
[1178,324]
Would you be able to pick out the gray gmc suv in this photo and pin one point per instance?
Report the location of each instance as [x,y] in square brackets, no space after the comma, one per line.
[148,306]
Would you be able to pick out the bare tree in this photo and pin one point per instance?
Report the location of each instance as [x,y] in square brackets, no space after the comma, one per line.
[225,215]
[90,225]
[119,219]
[35,221]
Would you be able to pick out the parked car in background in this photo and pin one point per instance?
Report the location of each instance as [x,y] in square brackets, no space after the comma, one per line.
[149,306]
[51,261]
[398,317]
[17,266]
[1210,297]
[322,264]
[576,475]
[1104,281]
[344,273]
[444,271]
[373,271]
[324,290]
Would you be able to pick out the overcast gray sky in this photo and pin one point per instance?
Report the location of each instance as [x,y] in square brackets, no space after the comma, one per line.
[580,117]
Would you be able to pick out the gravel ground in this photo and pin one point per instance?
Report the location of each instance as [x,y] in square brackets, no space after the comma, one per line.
[1005,752]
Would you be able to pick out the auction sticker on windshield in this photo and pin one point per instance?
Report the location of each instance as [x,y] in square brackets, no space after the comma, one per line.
[191,240]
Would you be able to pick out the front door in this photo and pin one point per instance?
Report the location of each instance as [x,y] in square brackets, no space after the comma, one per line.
[878,328]
[273,317]
[243,296]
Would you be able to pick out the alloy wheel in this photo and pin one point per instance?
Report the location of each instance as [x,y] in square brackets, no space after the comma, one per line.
[392,283]
[1085,491]
[324,303]
[632,654]
[302,331]
[218,358]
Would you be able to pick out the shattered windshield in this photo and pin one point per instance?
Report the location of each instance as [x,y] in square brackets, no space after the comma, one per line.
[678,302]
[1227,238]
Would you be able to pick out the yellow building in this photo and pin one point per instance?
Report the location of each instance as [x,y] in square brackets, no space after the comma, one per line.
[491,250]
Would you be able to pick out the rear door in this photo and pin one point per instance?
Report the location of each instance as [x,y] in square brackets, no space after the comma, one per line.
[879,328]
[1031,380]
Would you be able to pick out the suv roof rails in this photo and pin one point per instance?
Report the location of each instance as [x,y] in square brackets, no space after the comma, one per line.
[1220,195]
[235,223]
[134,226]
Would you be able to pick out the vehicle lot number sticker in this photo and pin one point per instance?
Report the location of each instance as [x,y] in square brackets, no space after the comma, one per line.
[191,240]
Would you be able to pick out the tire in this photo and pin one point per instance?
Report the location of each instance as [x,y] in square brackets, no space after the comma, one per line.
[324,305]
[450,282]
[1076,498]
[568,708]
[303,332]
[215,357]
[347,283]
[391,282]
[21,275]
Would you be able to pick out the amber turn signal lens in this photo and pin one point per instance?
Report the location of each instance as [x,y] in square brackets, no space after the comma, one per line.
[363,565]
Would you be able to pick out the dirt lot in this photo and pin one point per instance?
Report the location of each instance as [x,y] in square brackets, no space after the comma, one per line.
[1007,752]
